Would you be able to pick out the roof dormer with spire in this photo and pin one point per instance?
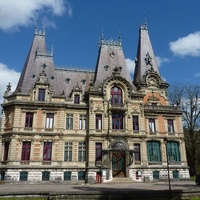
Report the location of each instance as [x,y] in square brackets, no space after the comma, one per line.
[34,64]
[110,58]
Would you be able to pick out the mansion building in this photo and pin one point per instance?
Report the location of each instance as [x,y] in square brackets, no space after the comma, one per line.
[88,126]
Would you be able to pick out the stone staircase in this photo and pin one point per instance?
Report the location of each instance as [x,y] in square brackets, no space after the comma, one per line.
[121,180]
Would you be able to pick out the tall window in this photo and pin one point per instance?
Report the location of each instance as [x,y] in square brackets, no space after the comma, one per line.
[98,151]
[68,151]
[69,121]
[41,94]
[152,125]
[116,95]
[117,121]
[99,121]
[47,149]
[81,151]
[29,120]
[135,123]
[6,149]
[26,150]
[76,98]
[49,120]
[82,122]
[153,151]
[173,151]
[137,152]
[170,125]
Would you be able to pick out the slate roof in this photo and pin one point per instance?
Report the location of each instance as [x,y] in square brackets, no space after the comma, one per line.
[145,59]
[110,56]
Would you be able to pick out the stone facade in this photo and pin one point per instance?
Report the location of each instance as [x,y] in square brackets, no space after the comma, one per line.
[82,126]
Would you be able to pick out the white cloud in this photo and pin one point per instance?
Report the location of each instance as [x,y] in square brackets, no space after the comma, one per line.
[17,13]
[187,46]
[197,75]
[7,75]
[131,65]
[161,60]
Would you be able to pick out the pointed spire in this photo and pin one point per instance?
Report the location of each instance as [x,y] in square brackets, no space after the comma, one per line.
[145,61]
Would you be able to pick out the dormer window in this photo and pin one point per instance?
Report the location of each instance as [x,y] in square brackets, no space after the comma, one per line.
[67,80]
[41,94]
[116,95]
[83,82]
[76,98]
[112,54]
[33,76]
[106,67]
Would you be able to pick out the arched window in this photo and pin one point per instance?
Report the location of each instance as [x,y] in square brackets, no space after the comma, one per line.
[116,95]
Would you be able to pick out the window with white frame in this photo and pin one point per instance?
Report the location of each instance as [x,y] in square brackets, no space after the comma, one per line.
[81,151]
[170,126]
[47,151]
[82,122]
[99,121]
[152,125]
[49,120]
[69,121]
[68,151]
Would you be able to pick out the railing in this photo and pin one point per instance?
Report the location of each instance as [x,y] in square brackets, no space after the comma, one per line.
[157,107]
[98,163]
[117,105]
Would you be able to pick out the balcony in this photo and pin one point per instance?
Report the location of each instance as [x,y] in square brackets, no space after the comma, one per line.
[118,107]
[98,163]
[161,109]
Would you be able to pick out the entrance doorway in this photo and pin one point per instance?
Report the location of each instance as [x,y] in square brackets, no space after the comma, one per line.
[118,164]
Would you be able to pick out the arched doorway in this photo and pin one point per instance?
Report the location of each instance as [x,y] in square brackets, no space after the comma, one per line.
[118,164]
[118,154]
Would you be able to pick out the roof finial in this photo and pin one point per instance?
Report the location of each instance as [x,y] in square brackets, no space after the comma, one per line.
[102,35]
[120,38]
[102,38]
[36,28]
[145,21]
[52,50]
[44,30]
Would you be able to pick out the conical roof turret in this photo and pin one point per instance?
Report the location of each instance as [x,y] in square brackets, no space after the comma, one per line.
[145,62]
[110,57]
[37,61]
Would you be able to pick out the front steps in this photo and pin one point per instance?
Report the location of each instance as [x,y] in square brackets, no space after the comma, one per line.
[121,180]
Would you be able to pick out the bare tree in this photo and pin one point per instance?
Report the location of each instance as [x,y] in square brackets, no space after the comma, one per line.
[187,96]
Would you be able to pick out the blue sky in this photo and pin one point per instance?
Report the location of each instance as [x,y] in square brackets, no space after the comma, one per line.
[73,28]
